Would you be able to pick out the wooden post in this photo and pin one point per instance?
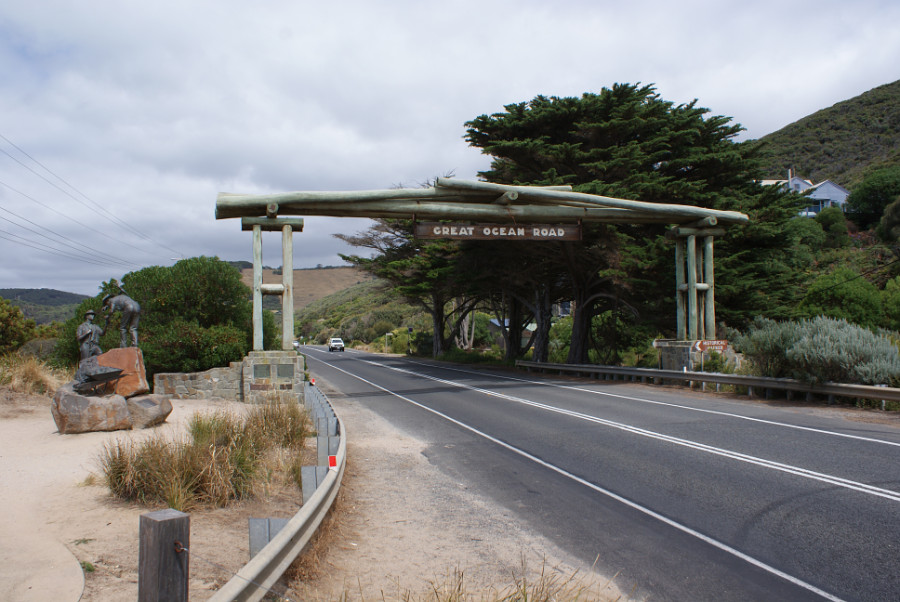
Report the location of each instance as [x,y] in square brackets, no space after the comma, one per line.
[681,331]
[257,289]
[692,286]
[287,295]
[709,279]
[162,569]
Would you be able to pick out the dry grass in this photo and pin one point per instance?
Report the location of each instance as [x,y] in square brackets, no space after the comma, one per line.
[26,374]
[547,585]
[225,457]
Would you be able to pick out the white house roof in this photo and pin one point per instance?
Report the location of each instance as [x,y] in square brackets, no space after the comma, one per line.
[829,183]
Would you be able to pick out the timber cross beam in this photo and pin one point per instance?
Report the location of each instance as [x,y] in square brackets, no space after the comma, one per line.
[464,200]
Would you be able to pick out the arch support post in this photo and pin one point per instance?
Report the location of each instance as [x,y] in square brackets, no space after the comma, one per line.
[695,281]
[709,316]
[286,289]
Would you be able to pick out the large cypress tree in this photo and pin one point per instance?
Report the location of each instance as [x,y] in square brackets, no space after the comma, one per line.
[626,141]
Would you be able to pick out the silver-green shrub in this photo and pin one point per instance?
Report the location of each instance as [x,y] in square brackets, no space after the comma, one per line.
[821,350]
[765,346]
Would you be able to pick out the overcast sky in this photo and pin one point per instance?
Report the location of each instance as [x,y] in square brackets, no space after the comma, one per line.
[122,120]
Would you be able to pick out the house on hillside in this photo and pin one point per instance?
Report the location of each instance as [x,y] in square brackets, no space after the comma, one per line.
[824,194]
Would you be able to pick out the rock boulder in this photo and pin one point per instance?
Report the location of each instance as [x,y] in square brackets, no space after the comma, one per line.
[134,377]
[75,413]
[149,410]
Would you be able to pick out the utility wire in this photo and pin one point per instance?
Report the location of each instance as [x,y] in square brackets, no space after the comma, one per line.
[94,252]
[106,213]
[83,225]
[47,248]
[858,276]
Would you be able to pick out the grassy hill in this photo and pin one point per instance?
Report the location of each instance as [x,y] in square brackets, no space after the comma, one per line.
[309,284]
[359,313]
[840,143]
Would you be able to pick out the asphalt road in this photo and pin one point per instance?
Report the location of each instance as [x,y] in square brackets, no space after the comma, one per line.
[686,496]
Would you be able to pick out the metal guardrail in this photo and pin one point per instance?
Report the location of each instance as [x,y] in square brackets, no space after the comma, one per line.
[752,383]
[253,581]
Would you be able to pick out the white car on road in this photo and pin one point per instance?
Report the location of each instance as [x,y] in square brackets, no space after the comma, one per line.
[335,344]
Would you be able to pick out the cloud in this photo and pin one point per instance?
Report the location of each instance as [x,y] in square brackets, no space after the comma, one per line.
[149,110]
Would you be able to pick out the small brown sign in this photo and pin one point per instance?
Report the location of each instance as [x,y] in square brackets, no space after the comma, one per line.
[711,345]
[430,230]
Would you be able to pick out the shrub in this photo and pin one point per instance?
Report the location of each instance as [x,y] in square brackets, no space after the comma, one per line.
[890,298]
[382,326]
[837,351]
[821,350]
[195,315]
[834,225]
[844,294]
[765,346]
[15,329]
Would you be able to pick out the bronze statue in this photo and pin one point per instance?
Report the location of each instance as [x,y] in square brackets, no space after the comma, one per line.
[88,335]
[131,315]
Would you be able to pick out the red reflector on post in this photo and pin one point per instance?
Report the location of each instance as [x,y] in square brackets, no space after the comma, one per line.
[332,461]
[312,381]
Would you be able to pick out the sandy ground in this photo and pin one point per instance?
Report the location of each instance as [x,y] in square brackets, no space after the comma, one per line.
[400,526]
[54,520]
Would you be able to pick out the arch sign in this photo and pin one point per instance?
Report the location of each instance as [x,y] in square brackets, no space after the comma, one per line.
[510,231]
[484,210]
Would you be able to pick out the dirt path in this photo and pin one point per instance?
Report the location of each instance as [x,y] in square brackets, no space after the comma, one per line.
[58,521]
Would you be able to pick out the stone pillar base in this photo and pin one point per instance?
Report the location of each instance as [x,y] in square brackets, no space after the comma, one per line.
[272,375]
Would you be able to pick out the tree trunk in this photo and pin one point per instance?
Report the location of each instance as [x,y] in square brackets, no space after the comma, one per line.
[542,317]
[511,327]
[437,324]
[465,338]
[581,326]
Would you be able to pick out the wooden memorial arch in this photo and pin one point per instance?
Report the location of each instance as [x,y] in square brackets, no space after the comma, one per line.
[500,211]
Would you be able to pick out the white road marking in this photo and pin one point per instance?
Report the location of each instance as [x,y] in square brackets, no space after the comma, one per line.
[788,468]
[631,504]
[668,404]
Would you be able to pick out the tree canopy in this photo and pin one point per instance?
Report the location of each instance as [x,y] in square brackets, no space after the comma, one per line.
[628,142]
[868,200]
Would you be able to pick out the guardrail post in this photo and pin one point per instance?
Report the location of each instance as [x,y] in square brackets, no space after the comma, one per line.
[164,543]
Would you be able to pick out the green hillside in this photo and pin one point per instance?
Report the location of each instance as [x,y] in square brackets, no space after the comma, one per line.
[43,305]
[361,312]
[840,143]
[41,296]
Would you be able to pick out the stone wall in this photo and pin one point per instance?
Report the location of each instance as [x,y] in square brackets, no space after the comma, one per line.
[256,379]
[216,383]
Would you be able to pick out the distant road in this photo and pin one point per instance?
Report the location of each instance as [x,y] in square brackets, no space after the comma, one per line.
[685,496]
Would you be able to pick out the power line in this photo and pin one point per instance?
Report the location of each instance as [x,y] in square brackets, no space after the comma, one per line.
[858,276]
[72,219]
[48,249]
[94,252]
[105,213]
[62,237]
